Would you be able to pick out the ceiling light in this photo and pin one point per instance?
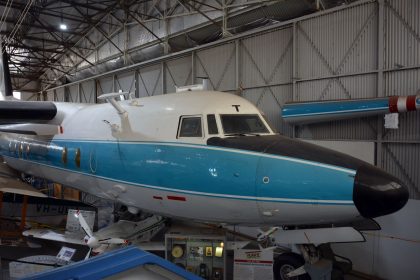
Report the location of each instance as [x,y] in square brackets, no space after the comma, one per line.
[63,26]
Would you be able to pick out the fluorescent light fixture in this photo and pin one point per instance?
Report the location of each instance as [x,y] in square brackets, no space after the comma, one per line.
[63,26]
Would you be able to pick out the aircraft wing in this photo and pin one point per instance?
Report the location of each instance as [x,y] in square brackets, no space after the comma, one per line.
[127,229]
[121,229]
[12,185]
[47,234]
[31,128]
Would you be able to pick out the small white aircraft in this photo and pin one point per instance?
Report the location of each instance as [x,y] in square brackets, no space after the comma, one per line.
[263,235]
[117,234]
[198,155]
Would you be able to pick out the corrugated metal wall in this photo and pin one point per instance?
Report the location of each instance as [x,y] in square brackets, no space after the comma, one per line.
[367,49]
[401,148]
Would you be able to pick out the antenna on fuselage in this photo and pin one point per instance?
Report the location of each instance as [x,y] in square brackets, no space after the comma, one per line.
[111,98]
[205,82]
[195,87]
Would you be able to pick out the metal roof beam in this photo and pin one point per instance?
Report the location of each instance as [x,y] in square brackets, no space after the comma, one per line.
[32,48]
[99,29]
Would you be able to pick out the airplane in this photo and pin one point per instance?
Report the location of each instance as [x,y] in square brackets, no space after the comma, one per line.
[120,233]
[196,154]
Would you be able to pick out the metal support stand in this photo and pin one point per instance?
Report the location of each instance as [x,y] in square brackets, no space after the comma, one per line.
[24,208]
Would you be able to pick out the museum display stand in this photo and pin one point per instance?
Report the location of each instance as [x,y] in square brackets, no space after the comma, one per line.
[199,254]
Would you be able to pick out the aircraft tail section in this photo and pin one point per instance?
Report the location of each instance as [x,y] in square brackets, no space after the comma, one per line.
[23,111]
[5,80]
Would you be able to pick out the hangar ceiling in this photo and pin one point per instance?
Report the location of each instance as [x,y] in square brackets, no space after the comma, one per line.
[53,42]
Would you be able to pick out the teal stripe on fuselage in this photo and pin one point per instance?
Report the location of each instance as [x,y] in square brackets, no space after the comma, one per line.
[195,168]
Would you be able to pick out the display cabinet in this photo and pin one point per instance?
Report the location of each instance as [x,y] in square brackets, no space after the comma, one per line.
[201,255]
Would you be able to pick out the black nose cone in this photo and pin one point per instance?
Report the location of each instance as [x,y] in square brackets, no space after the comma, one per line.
[376,193]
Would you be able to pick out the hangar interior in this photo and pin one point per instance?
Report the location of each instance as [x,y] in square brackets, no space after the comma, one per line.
[268,52]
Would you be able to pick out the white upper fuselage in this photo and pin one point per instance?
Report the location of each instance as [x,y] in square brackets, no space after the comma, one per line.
[153,118]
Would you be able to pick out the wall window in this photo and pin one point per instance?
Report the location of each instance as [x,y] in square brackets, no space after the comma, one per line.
[190,127]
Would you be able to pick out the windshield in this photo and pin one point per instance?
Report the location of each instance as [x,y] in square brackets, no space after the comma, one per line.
[243,124]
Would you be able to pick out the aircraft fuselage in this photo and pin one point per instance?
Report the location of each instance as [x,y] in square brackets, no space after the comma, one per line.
[144,159]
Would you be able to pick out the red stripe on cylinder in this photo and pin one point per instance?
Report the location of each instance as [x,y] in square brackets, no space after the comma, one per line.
[411,103]
[179,198]
[158,197]
[392,104]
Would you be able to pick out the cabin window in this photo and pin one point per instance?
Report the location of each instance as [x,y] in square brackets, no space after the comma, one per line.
[211,124]
[243,124]
[190,127]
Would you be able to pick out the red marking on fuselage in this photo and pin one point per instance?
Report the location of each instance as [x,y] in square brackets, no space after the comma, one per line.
[178,198]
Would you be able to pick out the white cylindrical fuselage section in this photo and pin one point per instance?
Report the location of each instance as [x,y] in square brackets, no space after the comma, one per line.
[312,112]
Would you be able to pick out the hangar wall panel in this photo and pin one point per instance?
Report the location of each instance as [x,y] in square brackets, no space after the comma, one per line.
[340,42]
[50,96]
[266,59]
[59,95]
[402,40]
[385,257]
[150,82]
[105,85]
[398,158]
[363,129]
[218,64]
[73,93]
[178,73]
[87,92]
[351,87]
[125,82]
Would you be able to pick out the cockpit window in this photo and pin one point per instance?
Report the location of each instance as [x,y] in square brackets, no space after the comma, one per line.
[243,124]
[190,127]
[211,124]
